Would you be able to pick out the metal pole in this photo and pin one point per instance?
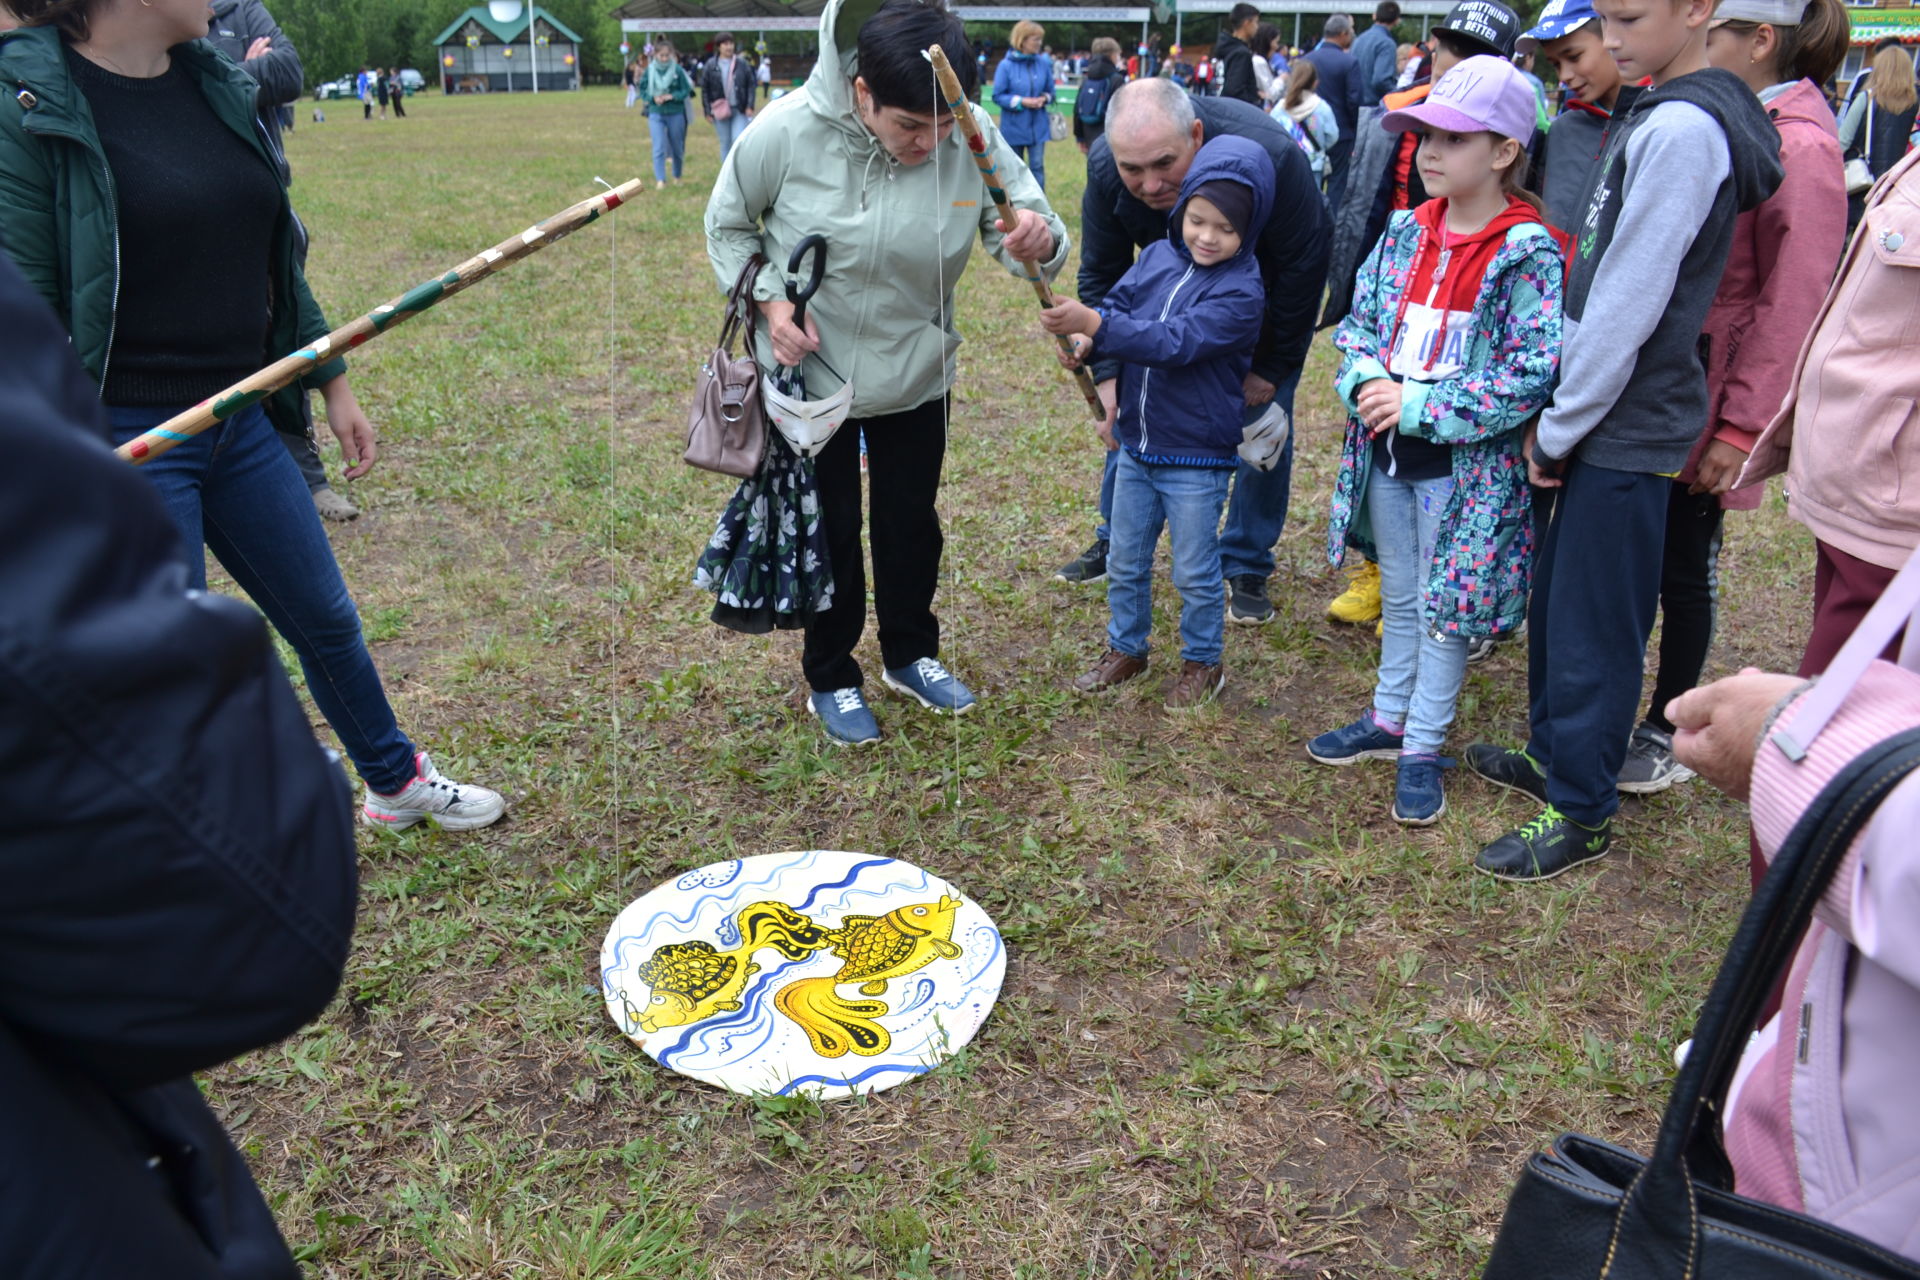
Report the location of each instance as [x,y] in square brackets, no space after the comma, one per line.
[1296,31]
[533,50]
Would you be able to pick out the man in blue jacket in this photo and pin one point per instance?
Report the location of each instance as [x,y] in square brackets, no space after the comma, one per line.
[1376,55]
[178,856]
[1134,173]
[1340,88]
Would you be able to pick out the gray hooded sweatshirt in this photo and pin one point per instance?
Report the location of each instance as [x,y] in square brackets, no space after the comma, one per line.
[898,237]
[1689,157]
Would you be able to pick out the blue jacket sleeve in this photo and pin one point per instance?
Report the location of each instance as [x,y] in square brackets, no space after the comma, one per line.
[1003,92]
[1218,325]
[1493,398]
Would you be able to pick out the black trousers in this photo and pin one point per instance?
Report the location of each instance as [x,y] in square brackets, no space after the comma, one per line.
[1596,582]
[1689,592]
[904,455]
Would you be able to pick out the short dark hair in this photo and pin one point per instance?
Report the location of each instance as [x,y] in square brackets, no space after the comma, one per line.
[1464,47]
[891,54]
[1386,13]
[725,37]
[1240,13]
[70,16]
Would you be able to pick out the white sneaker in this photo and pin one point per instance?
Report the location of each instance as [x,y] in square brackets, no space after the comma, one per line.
[451,806]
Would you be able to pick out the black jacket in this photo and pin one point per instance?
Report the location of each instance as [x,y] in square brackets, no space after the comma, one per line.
[1292,251]
[1100,82]
[1362,215]
[236,25]
[1236,70]
[712,86]
[177,855]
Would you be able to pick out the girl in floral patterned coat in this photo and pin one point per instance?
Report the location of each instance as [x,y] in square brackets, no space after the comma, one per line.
[1451,345]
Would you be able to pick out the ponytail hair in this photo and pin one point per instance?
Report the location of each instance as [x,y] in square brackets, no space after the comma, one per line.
[1513,180]
[1302,77]
[1811,49]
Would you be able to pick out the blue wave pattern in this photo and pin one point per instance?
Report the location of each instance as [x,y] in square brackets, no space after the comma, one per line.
[754,1040]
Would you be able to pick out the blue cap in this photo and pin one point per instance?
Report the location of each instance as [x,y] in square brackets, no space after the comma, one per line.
[1559,18]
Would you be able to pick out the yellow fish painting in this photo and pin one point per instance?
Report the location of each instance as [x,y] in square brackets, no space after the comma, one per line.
[691,981]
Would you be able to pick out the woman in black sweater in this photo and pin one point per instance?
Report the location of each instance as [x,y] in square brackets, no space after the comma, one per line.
[142,201]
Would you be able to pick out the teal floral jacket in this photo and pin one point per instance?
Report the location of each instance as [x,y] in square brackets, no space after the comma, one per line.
[1483,557]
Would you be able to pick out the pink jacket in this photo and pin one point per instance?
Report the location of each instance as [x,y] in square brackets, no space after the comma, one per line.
[1824,1117]
[1782,261]
[1853,475]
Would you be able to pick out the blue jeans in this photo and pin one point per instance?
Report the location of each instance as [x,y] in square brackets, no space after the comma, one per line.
[669,142]
[1035,155]
[1420,672]
[728,131]
[1187,500]
[234,487]
[1256,513]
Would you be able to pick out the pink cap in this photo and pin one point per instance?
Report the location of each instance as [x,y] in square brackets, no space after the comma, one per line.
[1479,94]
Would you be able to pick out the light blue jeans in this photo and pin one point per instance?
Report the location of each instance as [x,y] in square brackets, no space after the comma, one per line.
[1420,673]
[1256,513]
[728,131]
[1188,501]
[669,142]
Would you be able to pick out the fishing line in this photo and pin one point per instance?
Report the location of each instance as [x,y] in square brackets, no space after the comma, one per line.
[946,398]
[613,523]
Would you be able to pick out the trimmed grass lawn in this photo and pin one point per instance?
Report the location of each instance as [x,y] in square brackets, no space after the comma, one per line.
[1250,1028]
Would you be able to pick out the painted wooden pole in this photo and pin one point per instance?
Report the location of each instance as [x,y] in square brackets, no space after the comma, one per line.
[977,143]
[250,391]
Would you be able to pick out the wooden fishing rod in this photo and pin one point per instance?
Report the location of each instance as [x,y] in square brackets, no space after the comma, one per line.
[251,390]
[977,143]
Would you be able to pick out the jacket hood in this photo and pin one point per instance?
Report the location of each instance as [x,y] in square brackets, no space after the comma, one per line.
[1017,55]
[1803,103]
[1232,159]
[1472,254]
[829,85]
[1753,144]
[1100,68]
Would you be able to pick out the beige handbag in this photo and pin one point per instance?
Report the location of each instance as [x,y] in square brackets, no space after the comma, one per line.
[727,426]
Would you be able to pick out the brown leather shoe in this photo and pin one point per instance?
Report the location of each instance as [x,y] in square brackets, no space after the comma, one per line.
[1195,686]
[1115,668]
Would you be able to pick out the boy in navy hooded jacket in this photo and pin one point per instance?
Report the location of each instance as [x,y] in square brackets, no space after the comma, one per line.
[1183,323]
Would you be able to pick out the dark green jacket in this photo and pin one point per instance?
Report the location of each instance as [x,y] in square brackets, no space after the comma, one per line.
[58,211]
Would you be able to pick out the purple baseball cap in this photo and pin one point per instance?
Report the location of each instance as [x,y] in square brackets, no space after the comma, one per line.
[1478,94]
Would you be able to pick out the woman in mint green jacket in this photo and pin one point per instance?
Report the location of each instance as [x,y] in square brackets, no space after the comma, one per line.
[866,154]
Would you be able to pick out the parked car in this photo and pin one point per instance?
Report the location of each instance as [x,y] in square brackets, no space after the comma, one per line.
[412,81]
[341,88]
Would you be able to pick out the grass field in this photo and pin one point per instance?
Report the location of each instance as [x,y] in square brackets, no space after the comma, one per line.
[1250,1028]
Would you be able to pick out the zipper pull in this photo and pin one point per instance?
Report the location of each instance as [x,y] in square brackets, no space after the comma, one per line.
[26,99]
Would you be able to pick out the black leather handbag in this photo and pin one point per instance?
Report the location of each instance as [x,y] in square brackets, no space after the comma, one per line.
[1591,1210]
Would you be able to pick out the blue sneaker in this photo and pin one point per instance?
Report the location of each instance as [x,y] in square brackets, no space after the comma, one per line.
[1361,740]
[931,685]
[1418,795]
[845,716]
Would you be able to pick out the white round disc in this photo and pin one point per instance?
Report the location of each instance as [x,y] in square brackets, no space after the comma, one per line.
[819,972]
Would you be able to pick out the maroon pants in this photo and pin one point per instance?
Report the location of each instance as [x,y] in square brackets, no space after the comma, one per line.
[1844,588]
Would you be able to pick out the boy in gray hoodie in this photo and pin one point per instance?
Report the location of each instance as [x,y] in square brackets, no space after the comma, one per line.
[1693,152]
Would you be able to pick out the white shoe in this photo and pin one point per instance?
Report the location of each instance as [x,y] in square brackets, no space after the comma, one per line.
[451,806]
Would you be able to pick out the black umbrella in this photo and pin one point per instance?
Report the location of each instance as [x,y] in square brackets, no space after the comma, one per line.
[766,563]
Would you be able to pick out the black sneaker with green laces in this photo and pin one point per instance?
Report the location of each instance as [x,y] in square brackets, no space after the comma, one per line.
[1545,847]
[1515,770]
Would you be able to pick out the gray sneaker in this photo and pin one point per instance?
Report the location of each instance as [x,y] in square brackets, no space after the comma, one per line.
[331,505]
[1650,765]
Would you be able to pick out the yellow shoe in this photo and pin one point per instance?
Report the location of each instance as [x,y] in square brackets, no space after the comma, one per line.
[1379,628]
[1359,604]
